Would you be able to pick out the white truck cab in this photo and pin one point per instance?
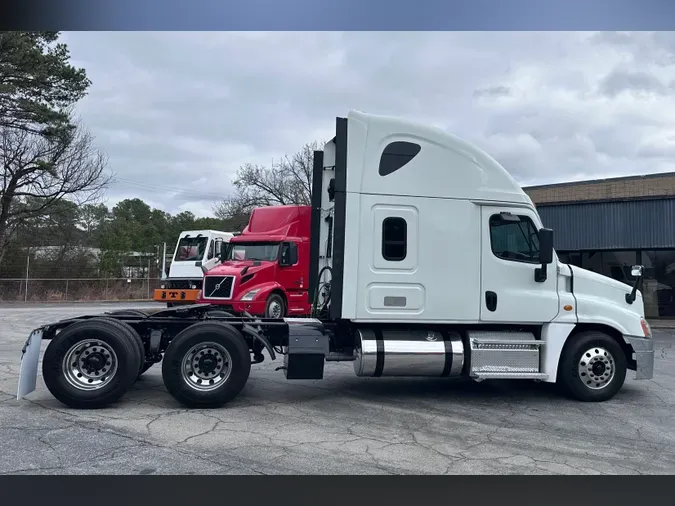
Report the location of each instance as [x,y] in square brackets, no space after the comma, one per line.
[195,250]
[428,232]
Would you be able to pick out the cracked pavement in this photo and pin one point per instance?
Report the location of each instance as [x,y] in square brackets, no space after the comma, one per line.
[340,425]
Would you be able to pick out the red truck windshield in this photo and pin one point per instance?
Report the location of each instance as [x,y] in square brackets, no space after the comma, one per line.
[190,249]
[254,251]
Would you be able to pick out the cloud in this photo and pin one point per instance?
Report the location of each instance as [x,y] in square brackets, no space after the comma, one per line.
[619,81]
[185,110]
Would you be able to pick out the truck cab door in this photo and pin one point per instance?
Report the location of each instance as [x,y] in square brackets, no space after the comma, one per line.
[513,289]
[290,275]
[211,255]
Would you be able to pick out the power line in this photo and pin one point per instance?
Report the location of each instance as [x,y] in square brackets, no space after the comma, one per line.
[163,189]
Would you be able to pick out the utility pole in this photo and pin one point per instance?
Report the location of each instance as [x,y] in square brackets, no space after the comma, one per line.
[25,295]
[164,263]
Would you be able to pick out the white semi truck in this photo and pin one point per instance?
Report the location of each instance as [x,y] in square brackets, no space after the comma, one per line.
[427,259]
[195,250]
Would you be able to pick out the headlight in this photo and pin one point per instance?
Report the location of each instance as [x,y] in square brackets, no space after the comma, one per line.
[250,295]
[162,287]
[194,287]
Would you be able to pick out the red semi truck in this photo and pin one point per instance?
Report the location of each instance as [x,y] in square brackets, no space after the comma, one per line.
[265,270]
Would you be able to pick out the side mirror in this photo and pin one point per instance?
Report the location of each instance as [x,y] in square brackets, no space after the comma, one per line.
[219,247]
[545,254]
[289,254]
[545,246]
[636,271]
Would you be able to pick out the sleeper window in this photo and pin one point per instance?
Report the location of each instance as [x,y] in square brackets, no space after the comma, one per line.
[394,239]
[514,238]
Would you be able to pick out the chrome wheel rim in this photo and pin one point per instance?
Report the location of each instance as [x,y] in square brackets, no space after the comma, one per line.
[275,309]
[90,364]
[596,368]
[206,366]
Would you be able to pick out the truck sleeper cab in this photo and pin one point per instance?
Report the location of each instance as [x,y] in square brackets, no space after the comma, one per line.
[265,270]
[194,249]
[425,259]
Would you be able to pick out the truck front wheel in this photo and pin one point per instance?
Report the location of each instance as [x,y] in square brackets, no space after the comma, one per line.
[206,365]
[592,367]
[275,308]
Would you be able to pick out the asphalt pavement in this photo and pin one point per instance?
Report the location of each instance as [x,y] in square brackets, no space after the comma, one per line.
[340,425]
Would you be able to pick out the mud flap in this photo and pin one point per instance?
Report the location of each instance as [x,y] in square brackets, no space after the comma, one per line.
[30,356]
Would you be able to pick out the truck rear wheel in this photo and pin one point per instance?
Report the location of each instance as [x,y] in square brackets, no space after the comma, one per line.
[592,367]
[221,314]
[276,307]
[206,365]
[131,333]
[91,364]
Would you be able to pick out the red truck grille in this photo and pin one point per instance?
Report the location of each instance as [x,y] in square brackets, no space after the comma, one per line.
[218,287]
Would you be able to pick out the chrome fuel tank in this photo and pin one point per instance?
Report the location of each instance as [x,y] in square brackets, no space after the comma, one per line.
[408,353]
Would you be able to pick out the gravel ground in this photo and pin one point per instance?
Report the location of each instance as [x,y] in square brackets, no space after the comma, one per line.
[341,425]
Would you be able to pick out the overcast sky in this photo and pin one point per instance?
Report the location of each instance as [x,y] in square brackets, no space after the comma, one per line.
[178,113]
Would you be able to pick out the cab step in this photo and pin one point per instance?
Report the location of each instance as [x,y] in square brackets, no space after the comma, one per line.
[511,375]
[504,355]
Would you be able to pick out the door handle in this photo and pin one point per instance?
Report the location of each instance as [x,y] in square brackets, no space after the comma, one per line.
[491,301]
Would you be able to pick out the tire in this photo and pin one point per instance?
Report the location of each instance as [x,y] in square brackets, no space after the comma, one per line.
[221,314]
[128,312]
[576,376]
[273,301]
[133,336]
[225,342]
[116,352]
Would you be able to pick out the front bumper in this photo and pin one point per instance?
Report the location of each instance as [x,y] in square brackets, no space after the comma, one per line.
[178,295]
[644,356]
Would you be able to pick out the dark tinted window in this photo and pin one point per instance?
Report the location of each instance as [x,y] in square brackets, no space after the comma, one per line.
[394,239]
[396,155]
[514,238]
[268,252]
[289,253]
[658,286]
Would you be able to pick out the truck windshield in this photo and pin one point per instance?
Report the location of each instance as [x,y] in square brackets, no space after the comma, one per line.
[191,249]
[253,251]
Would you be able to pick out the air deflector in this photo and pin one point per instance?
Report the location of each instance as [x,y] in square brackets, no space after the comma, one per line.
[396,155]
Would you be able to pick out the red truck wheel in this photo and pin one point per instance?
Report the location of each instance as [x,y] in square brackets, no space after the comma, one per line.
[275,307]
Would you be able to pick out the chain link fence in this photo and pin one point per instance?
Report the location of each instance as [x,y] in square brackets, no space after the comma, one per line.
[77,289]
[53,275]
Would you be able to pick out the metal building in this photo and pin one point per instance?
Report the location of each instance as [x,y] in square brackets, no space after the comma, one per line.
[608,225]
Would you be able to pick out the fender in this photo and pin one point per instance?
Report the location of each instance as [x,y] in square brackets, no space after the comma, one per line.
[264,290]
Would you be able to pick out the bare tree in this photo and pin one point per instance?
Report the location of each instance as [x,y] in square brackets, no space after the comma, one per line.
[39,171]
[287,181]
